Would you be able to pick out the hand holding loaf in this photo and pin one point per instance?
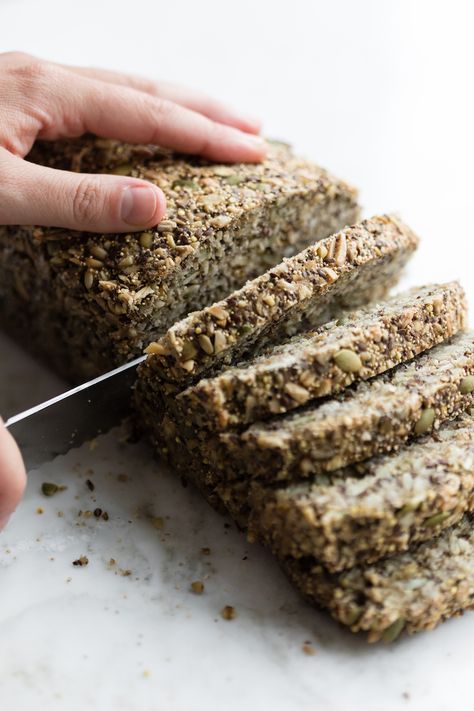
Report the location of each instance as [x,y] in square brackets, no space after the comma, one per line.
[333,424]
[45,100]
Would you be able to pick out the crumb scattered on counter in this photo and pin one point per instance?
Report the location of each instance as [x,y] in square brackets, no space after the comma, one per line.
[157,522]
[39,510]
[197,587]
[50,489]
[308,648]
[206,551]
[122,477]
[228,612]
[81,562]
[90,485]
[111,563]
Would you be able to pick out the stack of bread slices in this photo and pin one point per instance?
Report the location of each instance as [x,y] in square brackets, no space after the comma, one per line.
[335,423]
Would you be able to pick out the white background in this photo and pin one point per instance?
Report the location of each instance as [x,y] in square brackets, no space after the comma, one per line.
[379,92]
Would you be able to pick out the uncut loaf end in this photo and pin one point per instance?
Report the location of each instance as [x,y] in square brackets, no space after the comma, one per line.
[92,301]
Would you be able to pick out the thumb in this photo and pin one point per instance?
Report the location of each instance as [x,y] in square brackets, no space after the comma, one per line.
[34,195]
[12,475]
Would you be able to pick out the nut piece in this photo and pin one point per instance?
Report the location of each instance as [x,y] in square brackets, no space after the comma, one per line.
[155,348]
[228,612]
[297,392]
[189,350]
[218,312]
[206,344]
[197,587]
[348,361]
[220,342]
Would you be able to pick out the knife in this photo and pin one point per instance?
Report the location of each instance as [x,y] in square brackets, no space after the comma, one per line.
[80,414]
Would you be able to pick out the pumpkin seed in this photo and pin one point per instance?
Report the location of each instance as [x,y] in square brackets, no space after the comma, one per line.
[50,489]
[146,239]
[467,385]
[206,344]
[124,169]
[392,632]
[234,179]
[425,423]
[436,519]
[185,183]
[348,361]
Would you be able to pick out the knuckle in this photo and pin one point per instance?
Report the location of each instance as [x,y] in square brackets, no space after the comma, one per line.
[15,57]
[87,202]
[29,69]
[165,109]
[146,85]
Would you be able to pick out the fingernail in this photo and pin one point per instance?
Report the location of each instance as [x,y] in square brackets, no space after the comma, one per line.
[253,123]
[255,141]
[139,204]
[256,144]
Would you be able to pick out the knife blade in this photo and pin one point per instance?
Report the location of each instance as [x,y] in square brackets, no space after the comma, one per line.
[77,415]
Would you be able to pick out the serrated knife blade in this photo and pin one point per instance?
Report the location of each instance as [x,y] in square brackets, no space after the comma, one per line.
[77,415]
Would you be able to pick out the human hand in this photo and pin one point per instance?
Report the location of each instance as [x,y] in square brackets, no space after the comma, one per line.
[12,475]
[49,101]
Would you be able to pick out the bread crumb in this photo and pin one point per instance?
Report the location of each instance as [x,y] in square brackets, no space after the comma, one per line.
[197,587]
[308,649]
[228,612]
[82,561]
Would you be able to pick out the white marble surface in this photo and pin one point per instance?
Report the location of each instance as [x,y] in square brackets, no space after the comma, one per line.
[93,637]
[379,92]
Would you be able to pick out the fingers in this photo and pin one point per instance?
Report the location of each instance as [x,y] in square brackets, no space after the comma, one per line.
[96,203]
[48,101]
[12,475]
[126,114]
[194,100]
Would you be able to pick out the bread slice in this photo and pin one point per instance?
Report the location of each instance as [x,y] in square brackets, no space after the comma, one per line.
[353,266]
[359,514]
[89,302]
[320,363]
[374,417]
[411,591]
